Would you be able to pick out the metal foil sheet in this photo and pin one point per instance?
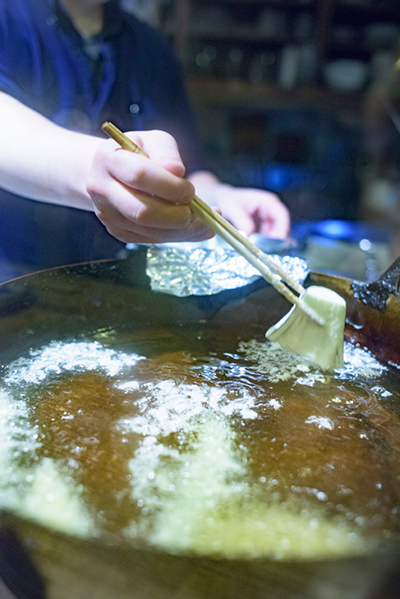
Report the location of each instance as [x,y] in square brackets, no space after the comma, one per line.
[209,267]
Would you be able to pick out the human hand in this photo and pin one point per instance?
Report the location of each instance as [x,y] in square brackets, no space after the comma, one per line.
[249,210]
[254,211]
[142,200]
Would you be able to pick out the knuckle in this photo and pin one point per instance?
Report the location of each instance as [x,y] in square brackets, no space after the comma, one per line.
[92,187]
[140,214]
[144,215]
[159,133]
[138,175]
[184,191]
[98,192]
[101,154]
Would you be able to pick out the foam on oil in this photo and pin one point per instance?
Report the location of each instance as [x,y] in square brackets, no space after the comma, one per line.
[245,455]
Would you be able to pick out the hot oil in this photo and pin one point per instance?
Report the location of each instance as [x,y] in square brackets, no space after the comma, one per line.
[77,421]
[241,454]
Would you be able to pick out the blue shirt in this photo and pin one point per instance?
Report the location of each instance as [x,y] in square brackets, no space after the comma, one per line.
[127,74]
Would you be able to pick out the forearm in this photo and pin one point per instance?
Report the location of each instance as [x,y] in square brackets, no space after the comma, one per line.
[42,161]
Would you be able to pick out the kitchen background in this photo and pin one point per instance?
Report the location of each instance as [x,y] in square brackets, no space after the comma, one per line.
[298,97]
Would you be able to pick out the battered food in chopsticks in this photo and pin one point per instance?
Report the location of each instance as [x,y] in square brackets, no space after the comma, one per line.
[314,327]
[297,333]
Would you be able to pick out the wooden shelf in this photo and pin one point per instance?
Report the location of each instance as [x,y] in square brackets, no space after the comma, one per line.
[184,28]
[243,35]
[283,4]
[191,34]
[368,12]
[359,47]
[219,92]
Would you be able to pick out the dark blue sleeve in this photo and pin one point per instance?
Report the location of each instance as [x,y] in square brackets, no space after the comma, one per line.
[20,68]
[11,38]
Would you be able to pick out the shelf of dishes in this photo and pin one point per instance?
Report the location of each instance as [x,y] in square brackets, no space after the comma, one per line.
[288,67]
[214,91]
[363,27]
[341,44]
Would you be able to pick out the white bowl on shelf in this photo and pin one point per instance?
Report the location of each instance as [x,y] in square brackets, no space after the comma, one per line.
[346,74]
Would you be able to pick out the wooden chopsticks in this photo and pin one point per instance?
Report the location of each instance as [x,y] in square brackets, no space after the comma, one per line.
[271,271]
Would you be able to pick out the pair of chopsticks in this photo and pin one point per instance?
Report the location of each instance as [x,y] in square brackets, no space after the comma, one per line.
[270,271]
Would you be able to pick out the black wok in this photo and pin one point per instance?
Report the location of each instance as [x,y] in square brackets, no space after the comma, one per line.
[38,562]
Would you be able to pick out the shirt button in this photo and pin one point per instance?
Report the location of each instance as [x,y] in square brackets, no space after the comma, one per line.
[51,20]
[134,108]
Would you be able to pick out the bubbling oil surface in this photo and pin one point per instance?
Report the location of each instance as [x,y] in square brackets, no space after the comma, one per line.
[244,454]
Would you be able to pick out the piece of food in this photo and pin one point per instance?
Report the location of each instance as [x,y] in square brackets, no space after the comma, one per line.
[298,333]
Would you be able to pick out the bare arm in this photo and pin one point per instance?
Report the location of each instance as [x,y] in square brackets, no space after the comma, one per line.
[41,160]
[137,200]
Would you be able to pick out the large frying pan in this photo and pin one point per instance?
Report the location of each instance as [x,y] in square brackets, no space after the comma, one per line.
[36,562]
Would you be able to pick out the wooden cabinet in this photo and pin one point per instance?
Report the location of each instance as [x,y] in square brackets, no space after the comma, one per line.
[362,29]
[261,75]
[273,46]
